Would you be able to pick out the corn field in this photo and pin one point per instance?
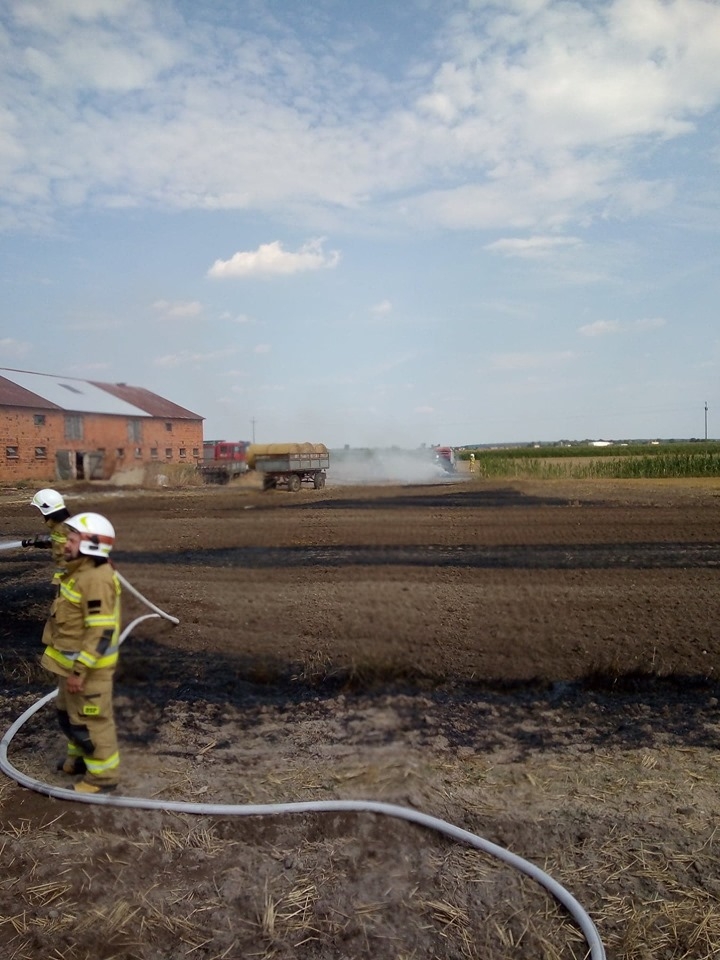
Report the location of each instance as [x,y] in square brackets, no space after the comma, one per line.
[578,465]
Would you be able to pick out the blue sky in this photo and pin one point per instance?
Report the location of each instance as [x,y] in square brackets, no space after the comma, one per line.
[431,221]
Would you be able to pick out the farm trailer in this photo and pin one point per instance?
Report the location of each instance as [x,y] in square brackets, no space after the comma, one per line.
[289,464]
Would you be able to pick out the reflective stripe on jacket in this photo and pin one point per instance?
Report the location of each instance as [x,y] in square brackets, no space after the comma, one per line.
[83,629]
[58,538]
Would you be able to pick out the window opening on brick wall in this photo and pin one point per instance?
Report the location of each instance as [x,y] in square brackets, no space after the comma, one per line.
[153,453]
[183,452]
[41,453]
[12,453]
[138,453]
[196,451]
[120,453]
[168,452]
[168,426]
[134,430]
[39,419]
[73,427]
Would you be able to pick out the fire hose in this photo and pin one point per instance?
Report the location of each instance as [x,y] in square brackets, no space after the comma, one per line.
[576,911]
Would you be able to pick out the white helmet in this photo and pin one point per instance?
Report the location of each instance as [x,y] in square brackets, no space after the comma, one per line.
[48,501]
[97,533]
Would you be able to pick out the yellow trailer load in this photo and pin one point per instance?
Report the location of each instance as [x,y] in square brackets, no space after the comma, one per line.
[283,450]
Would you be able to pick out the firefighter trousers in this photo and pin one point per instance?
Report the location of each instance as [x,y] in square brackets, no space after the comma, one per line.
[88,722]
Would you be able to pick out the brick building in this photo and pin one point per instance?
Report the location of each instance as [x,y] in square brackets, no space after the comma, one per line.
[63,428]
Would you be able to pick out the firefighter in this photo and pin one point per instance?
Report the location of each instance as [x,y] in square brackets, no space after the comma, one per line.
[52,506]
[472,463]
[82,642]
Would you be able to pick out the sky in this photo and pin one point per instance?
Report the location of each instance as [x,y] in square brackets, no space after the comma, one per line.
[368,223]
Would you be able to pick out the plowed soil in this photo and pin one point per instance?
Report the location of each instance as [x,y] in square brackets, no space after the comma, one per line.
[535,663]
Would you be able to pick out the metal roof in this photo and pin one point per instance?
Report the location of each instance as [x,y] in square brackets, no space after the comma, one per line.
[151,403]
[22,388]
[13,395]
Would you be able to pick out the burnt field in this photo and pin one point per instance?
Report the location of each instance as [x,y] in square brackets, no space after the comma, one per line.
[533,662]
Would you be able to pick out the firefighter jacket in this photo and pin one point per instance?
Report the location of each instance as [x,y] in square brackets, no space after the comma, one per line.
[58,539]
[83,630]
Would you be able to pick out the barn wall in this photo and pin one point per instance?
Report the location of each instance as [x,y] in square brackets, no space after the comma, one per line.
[30,440]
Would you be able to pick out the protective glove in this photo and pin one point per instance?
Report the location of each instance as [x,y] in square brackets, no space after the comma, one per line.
[42,541]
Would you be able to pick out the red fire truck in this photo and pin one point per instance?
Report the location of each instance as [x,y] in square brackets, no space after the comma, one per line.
[223,460]
[445,458]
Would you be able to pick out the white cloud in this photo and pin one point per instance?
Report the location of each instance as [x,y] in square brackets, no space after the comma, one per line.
[600,328]
[258,388]
[103,45]
[522,195]
[178,309]
[591,74]
[241,318]
[381,309]
[518,311]
[271,260]
[650,323]
[51,17]
[89,368]
[183,357]
[13,348]
[262,348]
[635,198]
[529,117]
[532,247]
[424,410]
[530,361]
[91,324]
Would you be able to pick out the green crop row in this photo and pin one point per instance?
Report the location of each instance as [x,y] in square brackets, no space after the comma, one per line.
[612,468]
[550,451]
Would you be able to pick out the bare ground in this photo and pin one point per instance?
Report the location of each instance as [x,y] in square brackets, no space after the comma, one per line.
[533,662]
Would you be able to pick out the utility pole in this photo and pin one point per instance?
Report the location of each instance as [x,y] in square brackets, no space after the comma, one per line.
[706,409]
[253,428]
